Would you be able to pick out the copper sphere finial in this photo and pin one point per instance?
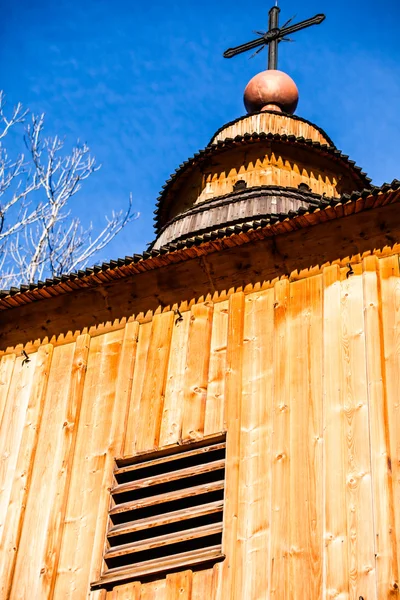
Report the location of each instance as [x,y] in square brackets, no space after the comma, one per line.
[271,90]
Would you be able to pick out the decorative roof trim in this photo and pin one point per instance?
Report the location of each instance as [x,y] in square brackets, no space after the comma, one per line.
[222,146]
[272,112]
[206,243]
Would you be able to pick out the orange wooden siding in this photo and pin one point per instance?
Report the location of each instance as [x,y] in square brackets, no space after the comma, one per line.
[305,378]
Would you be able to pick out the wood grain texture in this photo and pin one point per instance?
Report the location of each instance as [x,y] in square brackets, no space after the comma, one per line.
[10,541]
[156,566]
[308,392]
[153,591]
[139,375]
[232,413]
[171,424]
[336,578]
[92,447]
[12,427]
[384,526]
[214,420]
[29,568]
[179,586]
[274,123]
[280,502]
[172,475]
[255,448]
[164,540]
[361,560]
[202,585]
[129,591]
[390,291]
[153,391]
[306,435]
[115,440]
[98,595]
[166,518]
[196,371]
[7,363]
[67,440]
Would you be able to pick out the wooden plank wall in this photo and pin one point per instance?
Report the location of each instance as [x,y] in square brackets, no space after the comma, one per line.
[305,378]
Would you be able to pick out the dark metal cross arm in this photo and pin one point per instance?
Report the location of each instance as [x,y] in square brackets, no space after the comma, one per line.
[273,35]
[302,25]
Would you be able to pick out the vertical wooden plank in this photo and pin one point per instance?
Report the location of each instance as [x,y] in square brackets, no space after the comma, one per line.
[232,413]
[9,545]
[216,582]
[196,371]
[253,548]
[385,543]
[179,586]
[202,585]
[335,527]
[12,427]
[280,503]
[98,595]
[43,486]
[129,591]
[7,363]
[306,434]
[174,391]
[67,439]
[92,447]
[153,591]
[214,421]
[362,574]
[116,438]
[390,286]
[137,386]
[152,399]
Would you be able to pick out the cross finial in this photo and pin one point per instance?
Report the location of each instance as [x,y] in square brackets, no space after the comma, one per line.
[273,36]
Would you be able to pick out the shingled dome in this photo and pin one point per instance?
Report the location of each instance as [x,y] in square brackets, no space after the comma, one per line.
[259,165]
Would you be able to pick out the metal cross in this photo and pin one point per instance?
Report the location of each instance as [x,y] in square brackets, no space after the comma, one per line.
[273,36]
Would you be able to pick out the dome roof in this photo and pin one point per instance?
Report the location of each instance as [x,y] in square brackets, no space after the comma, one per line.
[258,165]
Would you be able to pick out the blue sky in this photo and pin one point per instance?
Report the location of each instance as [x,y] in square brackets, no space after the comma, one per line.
[145,84]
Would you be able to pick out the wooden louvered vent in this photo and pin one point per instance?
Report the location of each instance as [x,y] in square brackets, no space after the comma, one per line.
[166,511]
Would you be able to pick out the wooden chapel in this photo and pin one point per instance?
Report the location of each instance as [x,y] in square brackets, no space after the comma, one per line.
[219,417]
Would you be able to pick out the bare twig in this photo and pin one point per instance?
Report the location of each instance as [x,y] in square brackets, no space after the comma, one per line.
[38,235]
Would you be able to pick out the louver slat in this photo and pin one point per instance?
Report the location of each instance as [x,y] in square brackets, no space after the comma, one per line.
[168,477]
[166,459]
[168,497]
[150,567]
[164,540]
[166,511]
[171,517]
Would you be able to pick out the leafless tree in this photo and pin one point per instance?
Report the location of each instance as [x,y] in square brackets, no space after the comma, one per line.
[39,237]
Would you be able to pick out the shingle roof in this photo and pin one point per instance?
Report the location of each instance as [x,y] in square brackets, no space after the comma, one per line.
[248,138]
[204,243]
[274,112]
[276,191]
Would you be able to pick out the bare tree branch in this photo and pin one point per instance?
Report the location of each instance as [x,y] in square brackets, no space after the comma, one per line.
[38,236]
